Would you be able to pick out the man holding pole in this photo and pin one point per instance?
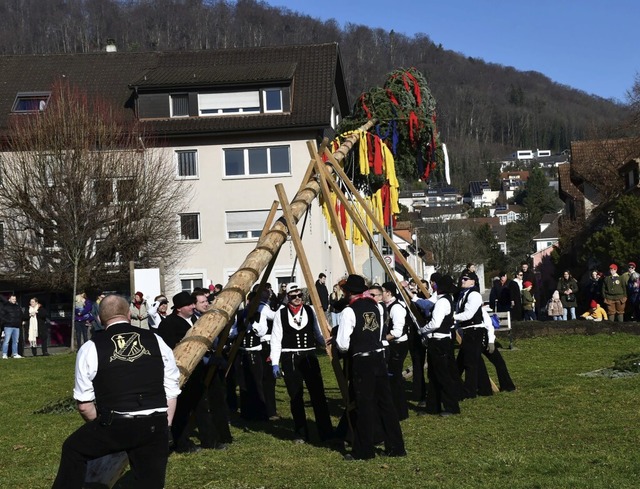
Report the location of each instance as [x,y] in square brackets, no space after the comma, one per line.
[126,387]
[360,335]
[293,342]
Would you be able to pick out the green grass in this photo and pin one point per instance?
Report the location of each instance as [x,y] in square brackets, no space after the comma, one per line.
[558,430]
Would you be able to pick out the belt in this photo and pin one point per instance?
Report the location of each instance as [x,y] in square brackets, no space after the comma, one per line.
[439,338]
[138,416]
[475,326]
[368,353]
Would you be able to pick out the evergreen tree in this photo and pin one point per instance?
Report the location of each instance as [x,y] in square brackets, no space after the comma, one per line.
[619,240]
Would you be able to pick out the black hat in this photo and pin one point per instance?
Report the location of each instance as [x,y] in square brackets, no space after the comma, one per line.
[355,284]
[182,299]
[391,287]
[445,285]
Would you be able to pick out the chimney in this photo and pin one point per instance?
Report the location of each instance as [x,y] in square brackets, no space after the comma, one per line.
[111,46]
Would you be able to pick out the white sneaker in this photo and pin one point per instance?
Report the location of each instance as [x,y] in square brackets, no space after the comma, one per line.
[4,355]
[16,356]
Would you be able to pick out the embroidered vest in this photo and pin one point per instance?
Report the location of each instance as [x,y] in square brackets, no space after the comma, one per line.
[130,373]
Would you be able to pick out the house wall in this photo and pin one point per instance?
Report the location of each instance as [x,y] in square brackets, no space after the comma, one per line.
[214,258]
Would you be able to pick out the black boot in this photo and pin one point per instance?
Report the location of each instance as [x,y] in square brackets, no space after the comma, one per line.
[34,351]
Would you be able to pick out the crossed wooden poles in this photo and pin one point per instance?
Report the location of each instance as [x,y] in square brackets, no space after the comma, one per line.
[319,179]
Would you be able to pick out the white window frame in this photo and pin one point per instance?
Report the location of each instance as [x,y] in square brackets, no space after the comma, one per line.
[181,237]
[246,173]
[245,225]
[229,103]
[41,97]
[177,153]
[264,100]
[190,276]
[115,199]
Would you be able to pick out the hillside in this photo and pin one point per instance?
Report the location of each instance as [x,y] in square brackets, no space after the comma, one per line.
[485,111]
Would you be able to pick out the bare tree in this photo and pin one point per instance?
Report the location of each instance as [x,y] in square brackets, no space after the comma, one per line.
[451,243]
[81,197]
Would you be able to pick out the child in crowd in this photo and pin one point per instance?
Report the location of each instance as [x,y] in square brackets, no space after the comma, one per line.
[528,302]
[555,309]
[595,312]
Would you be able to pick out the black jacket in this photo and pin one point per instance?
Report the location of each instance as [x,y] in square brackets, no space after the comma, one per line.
[10,314]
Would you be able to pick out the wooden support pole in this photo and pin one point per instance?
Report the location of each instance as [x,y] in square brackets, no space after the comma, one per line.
[333,217]
[313,293]
[380,228]
[200,337]
[361,225]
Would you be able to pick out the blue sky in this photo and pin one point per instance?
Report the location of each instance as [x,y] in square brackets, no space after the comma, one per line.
[586,44]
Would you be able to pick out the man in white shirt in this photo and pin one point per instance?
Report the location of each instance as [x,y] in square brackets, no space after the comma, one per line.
[131,375]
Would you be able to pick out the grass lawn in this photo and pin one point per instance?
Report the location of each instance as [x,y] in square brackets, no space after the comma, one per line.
[558,430]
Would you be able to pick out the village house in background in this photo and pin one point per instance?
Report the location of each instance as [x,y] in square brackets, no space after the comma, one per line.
[235,122]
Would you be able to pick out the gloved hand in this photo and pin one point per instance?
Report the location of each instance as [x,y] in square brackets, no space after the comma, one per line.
[423,335]
[171,443]
[276,372]
[491,347]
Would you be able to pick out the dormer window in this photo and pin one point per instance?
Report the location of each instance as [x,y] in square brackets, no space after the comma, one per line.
[229,103]
[31,102]
[180,105]
[272,99]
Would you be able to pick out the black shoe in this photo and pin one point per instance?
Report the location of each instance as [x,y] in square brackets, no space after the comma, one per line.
[348,458]
[446,414]
[190,448]
[393,453]
[47,354]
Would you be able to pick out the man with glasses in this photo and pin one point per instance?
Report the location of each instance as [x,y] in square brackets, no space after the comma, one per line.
[294,338]
[470,321]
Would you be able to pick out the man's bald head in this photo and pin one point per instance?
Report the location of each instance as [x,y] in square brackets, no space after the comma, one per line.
[114,308]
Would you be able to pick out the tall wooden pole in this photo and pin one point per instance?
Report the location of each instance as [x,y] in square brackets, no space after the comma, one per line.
[199,338]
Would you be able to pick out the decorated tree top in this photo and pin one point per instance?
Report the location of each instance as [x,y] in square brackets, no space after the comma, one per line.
[405,110]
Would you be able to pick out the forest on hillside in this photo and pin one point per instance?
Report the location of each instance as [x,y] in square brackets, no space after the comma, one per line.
[485,111]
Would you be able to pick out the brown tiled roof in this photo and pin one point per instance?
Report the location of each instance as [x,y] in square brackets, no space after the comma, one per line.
[215,73]
[597,161]
[315,70]
[566,185]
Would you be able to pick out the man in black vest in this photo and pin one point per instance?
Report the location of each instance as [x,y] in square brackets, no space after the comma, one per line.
[443,390]
[293,342]
[126,387]
[360,334]
[397,337]
[172,329]
[212,417]
[248,362]
[471,322]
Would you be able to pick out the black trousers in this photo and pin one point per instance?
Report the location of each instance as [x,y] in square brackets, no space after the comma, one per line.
[249,372]
[300,368]
[444,389]
[374,405]
[212,413]
[395,364]
[192,393]
[268,381]
[470,362]
[146,441]
[504,379]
